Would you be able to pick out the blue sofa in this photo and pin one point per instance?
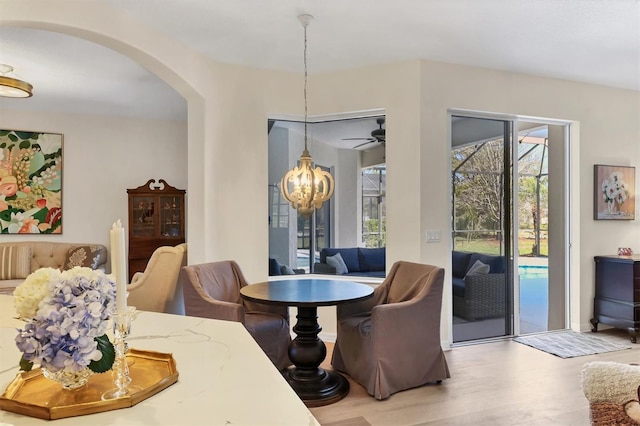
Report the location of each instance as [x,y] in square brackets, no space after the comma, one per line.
[360,261]
[478,295]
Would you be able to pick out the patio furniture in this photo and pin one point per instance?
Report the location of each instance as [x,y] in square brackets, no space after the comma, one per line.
[477,295]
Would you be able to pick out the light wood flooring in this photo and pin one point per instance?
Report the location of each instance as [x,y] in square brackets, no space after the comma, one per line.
[498,383]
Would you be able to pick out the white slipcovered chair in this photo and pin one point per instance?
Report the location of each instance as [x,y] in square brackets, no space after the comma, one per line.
[155,289]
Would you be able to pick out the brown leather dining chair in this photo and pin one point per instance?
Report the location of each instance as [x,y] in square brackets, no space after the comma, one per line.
[391,342]
[212,290]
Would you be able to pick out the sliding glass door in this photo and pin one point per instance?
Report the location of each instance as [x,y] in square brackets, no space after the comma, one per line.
[533,228]
[481,224]
[509,182]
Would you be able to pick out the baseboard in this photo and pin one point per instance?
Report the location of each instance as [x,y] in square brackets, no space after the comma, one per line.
[328,337]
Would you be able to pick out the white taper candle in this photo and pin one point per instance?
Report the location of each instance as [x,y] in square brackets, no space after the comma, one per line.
[118,265]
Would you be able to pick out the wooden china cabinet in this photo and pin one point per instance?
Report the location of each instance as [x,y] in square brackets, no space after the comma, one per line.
[156,218]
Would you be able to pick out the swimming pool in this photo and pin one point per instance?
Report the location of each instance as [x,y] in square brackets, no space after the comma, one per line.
[534,297]
[533,271]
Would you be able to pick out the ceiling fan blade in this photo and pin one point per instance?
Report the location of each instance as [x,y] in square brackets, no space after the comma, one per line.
[357,139]
[363,144]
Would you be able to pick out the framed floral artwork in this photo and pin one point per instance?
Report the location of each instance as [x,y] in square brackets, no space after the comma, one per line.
[614,192]
[30,182]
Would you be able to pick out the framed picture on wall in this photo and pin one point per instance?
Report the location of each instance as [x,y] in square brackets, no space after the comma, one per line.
[30,182]
[614,192]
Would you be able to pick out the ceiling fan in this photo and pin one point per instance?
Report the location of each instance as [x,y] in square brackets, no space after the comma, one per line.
[377,136]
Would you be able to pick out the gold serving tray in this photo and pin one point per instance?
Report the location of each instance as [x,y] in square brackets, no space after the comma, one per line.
[32,394]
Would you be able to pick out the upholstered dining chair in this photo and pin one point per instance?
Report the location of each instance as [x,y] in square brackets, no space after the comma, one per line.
[212,290]
[155,288]
[391,341]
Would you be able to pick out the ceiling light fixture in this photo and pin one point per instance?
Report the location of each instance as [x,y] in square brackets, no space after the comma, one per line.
[303,186]
[12,87]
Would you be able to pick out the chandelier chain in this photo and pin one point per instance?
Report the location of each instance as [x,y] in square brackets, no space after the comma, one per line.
[305,86]
[303,186]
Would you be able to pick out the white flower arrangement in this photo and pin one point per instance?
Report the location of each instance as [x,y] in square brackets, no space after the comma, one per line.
[66,316]
[614,189]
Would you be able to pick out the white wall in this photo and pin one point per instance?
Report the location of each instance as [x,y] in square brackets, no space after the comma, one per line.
[102,158]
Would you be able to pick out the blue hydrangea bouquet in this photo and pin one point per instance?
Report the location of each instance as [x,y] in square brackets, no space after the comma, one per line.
[67,316]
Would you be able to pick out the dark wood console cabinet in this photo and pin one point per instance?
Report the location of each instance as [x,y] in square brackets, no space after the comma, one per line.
[156,218]
[617,299]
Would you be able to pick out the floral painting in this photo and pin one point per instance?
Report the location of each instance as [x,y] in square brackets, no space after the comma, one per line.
[30,182]
[614,192]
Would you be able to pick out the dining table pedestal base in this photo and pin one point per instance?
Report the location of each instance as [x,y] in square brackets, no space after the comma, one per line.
[313,384]
[323,388]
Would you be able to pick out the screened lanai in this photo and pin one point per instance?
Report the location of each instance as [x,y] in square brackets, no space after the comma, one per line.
[482,197]
[478,186]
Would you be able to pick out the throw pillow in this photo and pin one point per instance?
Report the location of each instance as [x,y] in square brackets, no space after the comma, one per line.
[286,270]
[337,262]
[496,263]
[459,263]
[15,262]
[87,256]
[372,259]
[478,268]
[274,267]
[349,256]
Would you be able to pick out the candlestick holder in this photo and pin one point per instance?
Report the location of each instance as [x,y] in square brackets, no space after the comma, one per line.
[121,329]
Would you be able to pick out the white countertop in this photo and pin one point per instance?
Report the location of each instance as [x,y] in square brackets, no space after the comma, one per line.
[224,377]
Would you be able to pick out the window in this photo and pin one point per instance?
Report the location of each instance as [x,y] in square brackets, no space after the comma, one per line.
[353,150]
[374,230]
[279,217]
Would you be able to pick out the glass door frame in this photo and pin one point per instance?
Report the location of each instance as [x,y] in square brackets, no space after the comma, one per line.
[501,130]
[570,253]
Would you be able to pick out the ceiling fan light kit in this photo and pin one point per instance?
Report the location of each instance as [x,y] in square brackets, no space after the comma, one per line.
[12,87]
[305,187]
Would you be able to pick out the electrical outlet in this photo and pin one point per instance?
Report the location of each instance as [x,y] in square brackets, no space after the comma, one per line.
[433,236]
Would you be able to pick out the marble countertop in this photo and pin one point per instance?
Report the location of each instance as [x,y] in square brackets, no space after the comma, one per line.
[224,377]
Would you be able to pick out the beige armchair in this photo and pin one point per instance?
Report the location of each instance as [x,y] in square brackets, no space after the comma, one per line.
[212,290]
[155,288]
[391,342]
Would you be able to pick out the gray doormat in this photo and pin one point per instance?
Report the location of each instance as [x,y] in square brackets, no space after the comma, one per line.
[569,344]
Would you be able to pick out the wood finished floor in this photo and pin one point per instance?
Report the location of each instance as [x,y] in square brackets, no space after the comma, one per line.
[499,383]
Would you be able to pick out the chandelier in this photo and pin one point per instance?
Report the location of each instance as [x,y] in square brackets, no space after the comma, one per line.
[305,187]
[12,87]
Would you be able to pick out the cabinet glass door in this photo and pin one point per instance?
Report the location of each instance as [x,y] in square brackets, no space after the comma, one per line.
[143,209]
[170,216]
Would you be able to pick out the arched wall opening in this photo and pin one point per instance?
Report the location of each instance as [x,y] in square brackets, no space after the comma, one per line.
[158,58]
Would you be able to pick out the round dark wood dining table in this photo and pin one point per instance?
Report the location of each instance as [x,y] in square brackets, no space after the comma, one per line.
[313,384]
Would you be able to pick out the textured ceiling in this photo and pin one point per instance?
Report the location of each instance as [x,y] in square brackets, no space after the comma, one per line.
[595,41]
